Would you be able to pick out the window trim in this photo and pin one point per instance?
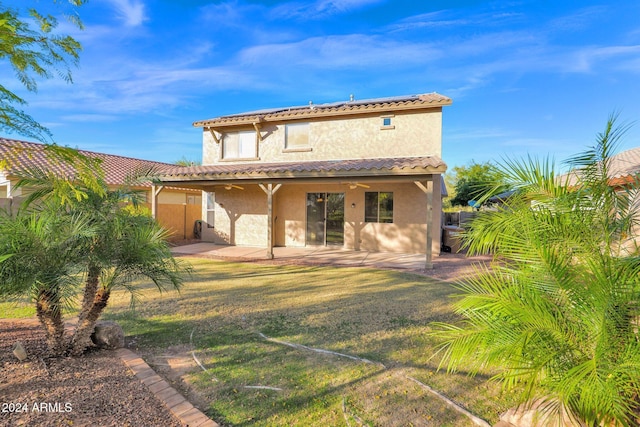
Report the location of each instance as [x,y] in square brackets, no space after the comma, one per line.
[390,125]
[223,157]
[299,149]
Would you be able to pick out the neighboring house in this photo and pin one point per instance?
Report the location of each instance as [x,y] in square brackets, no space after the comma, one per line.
[176,209]
[624,170]
[360,175]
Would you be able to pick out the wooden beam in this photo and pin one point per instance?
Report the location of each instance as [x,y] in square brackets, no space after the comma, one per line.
[198,182]
[421,186]
[213,134]
[256,126]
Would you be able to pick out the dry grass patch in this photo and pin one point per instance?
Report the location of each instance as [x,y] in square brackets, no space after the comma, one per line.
[378,315]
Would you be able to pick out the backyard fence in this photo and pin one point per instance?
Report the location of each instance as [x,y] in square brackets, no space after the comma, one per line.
[179,219]
[458,218]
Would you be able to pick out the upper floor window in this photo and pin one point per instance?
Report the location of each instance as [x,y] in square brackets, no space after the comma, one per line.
[378,206]
[239,145]
[387,122]
[297,136]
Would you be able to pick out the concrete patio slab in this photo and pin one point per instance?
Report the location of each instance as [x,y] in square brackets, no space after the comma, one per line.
[447,266]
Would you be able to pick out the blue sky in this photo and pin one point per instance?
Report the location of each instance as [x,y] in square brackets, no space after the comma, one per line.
[526,77]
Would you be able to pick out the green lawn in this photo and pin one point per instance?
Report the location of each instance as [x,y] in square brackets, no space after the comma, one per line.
[379,315]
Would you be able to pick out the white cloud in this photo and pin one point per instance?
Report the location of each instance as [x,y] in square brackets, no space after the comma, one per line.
[229,13]
[89,118]
[578,20]
[120,81]
[353,51]
[132,12]
[585,60]
[319,9]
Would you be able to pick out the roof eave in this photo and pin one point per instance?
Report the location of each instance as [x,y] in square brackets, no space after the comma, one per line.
[406,174]
[315,112]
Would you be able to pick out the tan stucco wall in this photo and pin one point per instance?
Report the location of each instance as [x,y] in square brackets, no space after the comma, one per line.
[414,134]
[8,185]
[240,217]
[407,233]
[5,185]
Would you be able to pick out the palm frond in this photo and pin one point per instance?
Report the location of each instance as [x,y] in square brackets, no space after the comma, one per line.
[557,314]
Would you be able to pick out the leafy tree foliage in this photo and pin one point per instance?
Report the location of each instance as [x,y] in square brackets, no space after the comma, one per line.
[474,180]
[72,233]
[558,315]
[183,161]
[34,50]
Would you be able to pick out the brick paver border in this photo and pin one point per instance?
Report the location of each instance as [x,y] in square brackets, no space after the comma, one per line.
[174,401]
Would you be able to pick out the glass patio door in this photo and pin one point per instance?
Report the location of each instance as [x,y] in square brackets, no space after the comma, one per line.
[325,219]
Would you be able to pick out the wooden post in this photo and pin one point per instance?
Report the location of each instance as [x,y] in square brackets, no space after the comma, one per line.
[155,190]
[428,264]
[428,190]
[270,190]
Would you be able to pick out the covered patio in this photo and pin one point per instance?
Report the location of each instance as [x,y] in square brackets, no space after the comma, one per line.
[274,206]
[446,267]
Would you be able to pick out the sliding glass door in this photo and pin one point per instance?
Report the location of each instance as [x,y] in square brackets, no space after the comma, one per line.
[325,219]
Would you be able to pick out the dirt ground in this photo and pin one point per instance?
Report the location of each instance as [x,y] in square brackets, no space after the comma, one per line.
[94,390]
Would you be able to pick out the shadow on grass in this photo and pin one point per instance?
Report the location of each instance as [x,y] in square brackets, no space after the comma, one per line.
[380,315]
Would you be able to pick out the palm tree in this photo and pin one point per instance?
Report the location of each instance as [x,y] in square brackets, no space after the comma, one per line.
[111,245]
[40,259]
[126,248]
[557,314]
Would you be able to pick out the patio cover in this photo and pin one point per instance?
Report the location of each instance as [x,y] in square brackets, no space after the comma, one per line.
[383,169]
[271,176]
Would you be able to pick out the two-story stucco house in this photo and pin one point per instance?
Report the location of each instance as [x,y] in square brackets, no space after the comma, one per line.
[361,175]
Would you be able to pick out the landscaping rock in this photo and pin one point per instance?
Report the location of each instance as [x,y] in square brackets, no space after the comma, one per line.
[108,334]
[19,352]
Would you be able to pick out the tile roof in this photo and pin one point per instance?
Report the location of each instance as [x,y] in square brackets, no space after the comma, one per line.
[343,108]
[22,154]
[625,164]
[309,169]
[623,168]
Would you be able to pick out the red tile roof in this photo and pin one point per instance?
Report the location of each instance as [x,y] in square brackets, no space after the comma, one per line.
[311,169]
[345,108]
[625,164]
[624,168]
[18,155]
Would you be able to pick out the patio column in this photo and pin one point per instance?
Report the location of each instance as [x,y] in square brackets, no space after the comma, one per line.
[155,190]
[428,190]
[270,190]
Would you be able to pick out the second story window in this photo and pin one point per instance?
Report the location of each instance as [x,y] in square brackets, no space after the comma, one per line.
[239,145]
[387,123]
[297,136]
